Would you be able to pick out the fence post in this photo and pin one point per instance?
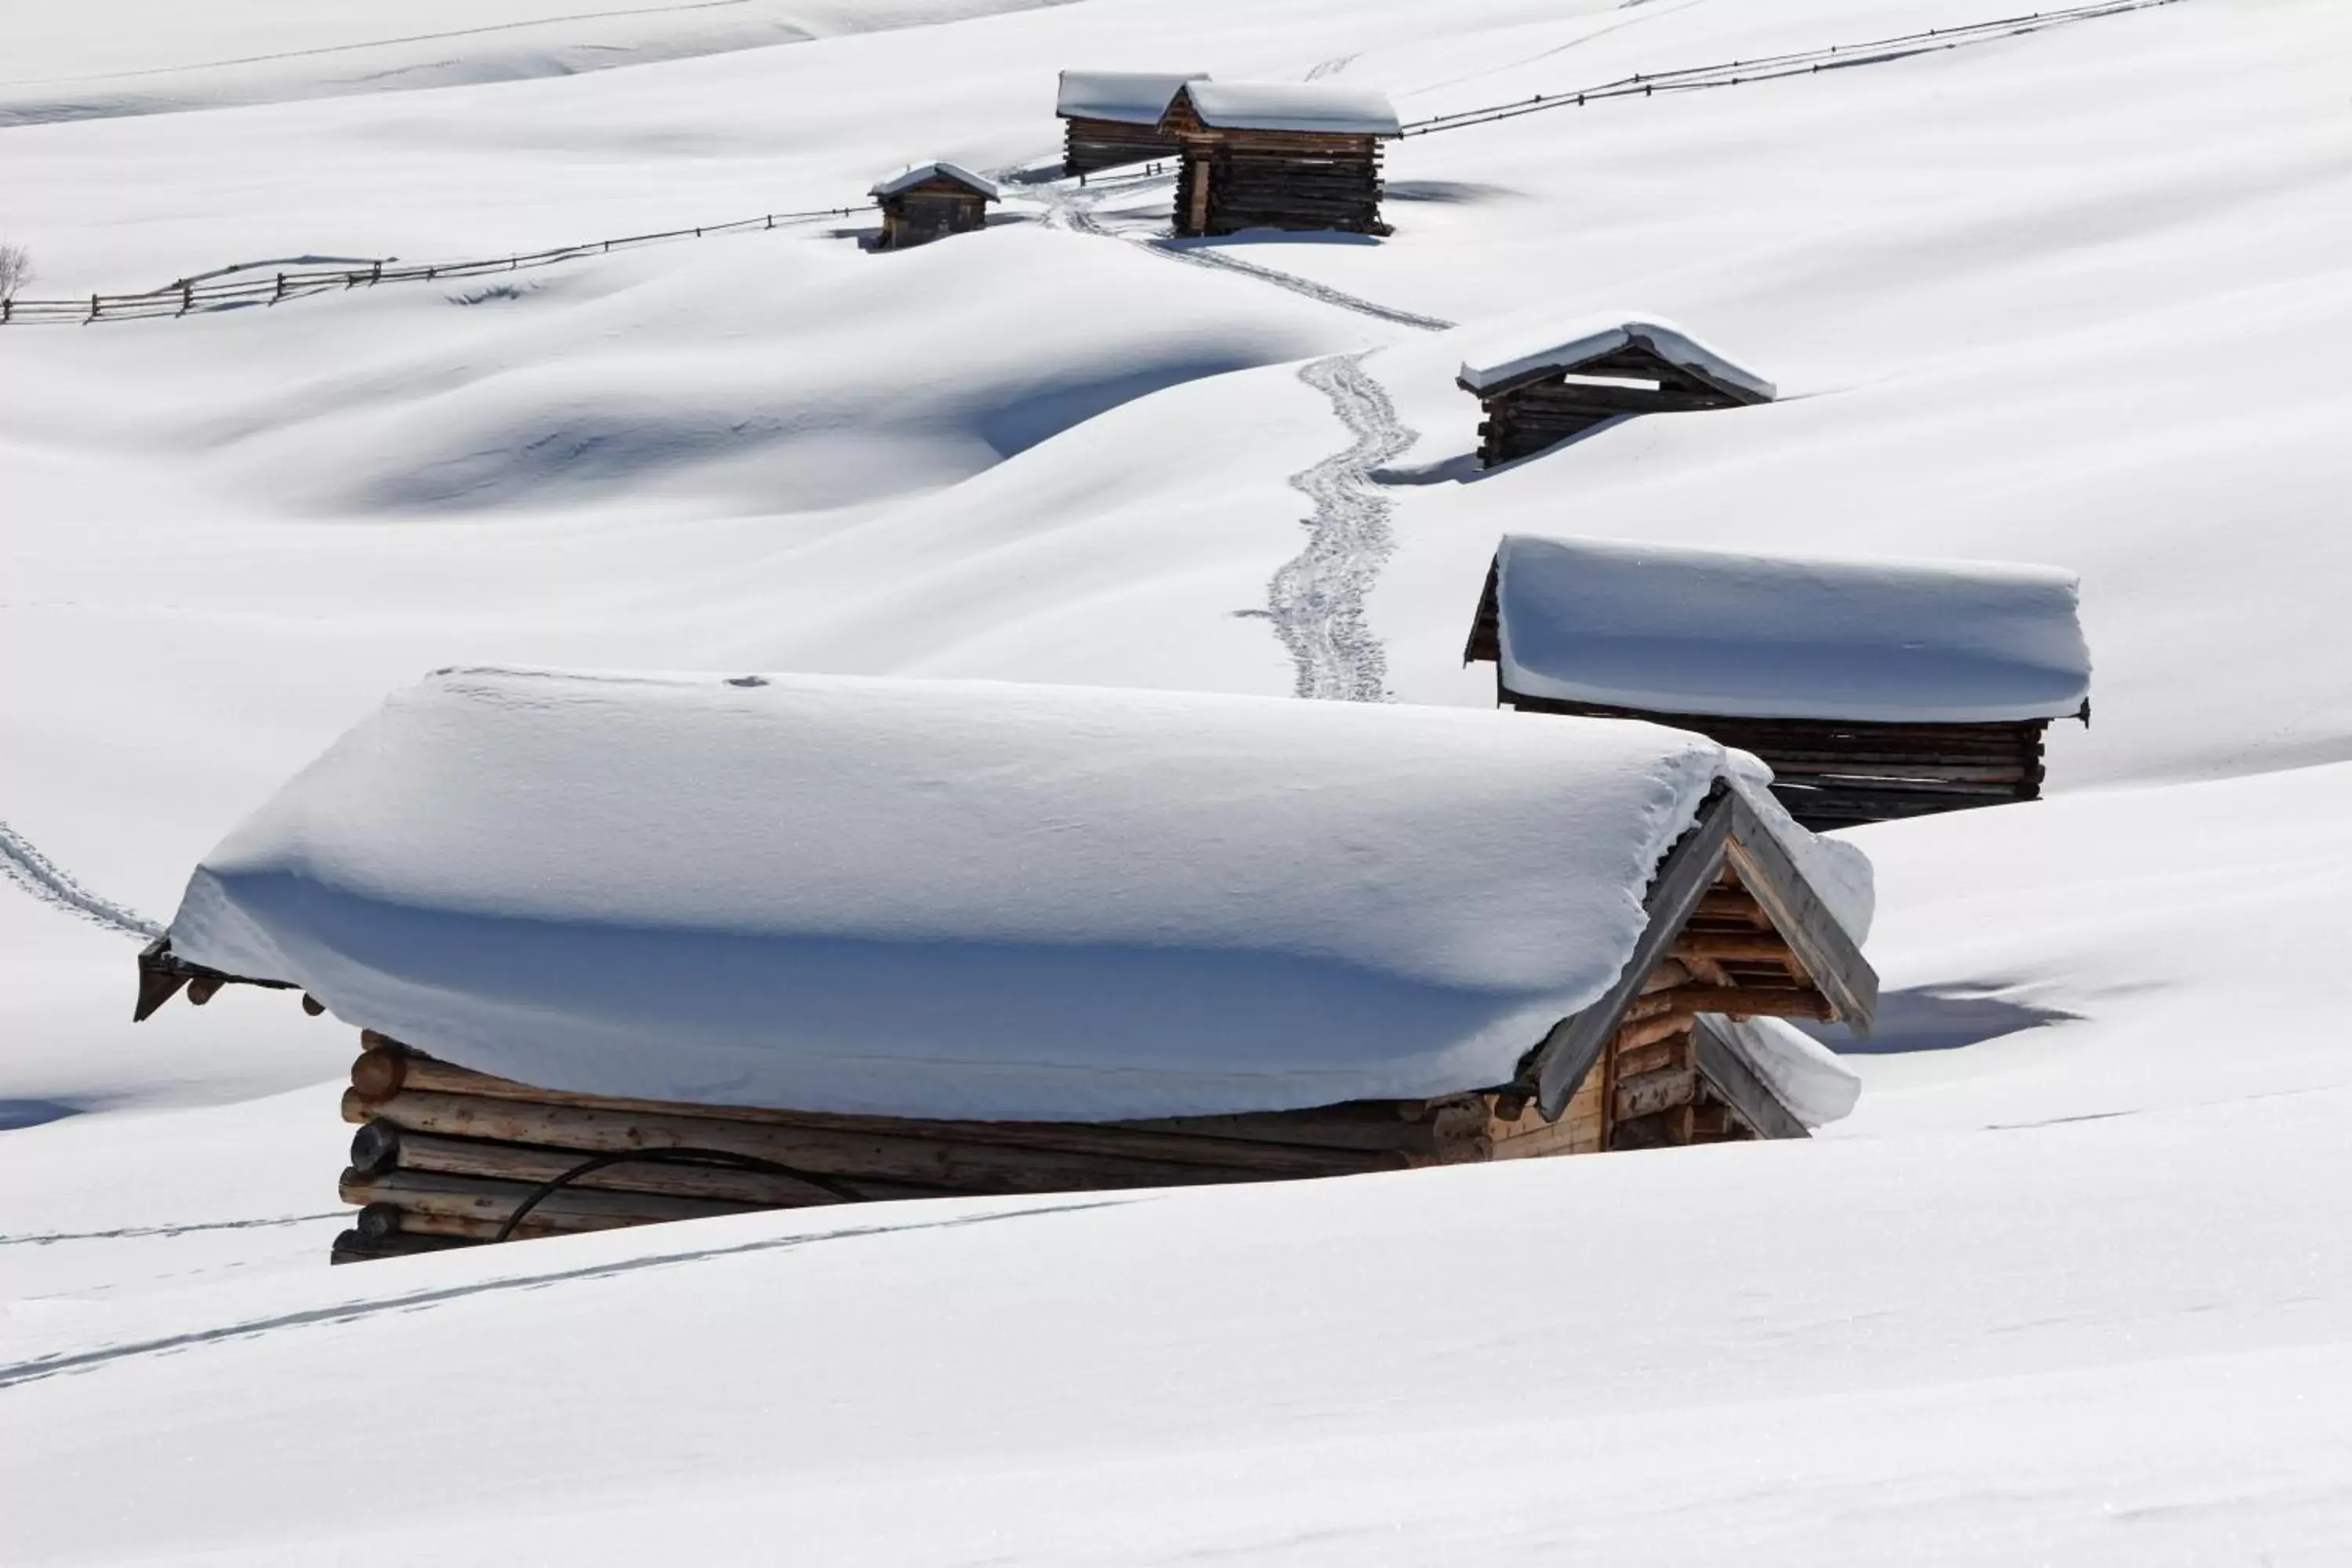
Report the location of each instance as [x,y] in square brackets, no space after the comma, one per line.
[7,309]
[771,220]
[93,307]
[187,297]
[281,288]
[375,273]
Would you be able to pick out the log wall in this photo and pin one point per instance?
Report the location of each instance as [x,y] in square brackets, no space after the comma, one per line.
[933,210]
[1547,409]
[1831,772]
[1090,145]
[444,1156]
[1233,181]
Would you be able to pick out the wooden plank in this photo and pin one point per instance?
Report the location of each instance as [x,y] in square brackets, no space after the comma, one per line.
[1828,955]
[1645,1094]
[1569,1050]
[423,1153]
[931,1161]
[1718,945]
[566,1208]
[1757,1001]
[1727,1071]
[1332,1140]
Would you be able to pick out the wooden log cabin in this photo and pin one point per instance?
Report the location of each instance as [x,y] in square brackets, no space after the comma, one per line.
[1538,388]
[1282,155]
[1874,689]
[925,939]
[931,201]
[1113,118]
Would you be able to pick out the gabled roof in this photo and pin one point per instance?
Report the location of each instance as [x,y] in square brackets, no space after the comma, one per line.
[1671,629]
[1546,348]
[939,169]
[1313,106]
[1138,97]
[964,898]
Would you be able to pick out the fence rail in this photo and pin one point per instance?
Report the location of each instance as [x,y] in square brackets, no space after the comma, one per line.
[1771,68]
[189,295]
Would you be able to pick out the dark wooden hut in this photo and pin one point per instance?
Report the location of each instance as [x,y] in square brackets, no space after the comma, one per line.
[1279,155]
[931,201]
[1112,119]
[1538,389]
[746,947]
[1874,689]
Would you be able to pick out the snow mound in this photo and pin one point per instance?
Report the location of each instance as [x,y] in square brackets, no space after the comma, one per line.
[1547,343]
[1681,630]
[1136,98]
[1294,106]
[953,899]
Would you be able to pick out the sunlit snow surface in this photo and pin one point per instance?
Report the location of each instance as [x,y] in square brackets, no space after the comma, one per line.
[2065,1287]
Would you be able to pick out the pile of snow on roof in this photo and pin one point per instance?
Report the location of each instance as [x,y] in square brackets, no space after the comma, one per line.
[1314,106]
[916,174]
[1678,630]
[1137,98]
[1548,344]
[958,898]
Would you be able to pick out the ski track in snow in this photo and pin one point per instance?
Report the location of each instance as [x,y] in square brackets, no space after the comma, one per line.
[353,1311]
[1317,600]
[145,1232]
[41,876]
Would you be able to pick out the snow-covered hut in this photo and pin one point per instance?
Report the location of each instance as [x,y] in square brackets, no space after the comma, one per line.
[637,948]
[1542,384]
[931,201]
[1874,688]
[1111,119]
[1297,156]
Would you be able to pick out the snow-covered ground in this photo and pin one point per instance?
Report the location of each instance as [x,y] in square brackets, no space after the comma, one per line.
[2068,1287]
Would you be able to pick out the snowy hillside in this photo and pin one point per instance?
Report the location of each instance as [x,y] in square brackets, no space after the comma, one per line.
[2064,1288]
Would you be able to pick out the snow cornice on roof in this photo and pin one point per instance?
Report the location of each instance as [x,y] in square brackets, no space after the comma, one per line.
[1134,98]
[1549,348]
[1322,108]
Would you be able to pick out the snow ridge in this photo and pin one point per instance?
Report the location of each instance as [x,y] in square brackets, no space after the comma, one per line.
[41,876]
[1317,600]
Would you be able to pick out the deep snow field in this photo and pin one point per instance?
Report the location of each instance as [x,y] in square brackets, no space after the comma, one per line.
[2074,1285]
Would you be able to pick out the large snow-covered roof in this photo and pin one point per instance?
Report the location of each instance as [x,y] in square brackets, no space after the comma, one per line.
[955,898]
[1138,98]
[1294,106]
[1679,630]
[1544,345]
[938,169]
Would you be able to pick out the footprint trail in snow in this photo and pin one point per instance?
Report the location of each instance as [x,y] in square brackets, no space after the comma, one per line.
[1317,600]
[41,876]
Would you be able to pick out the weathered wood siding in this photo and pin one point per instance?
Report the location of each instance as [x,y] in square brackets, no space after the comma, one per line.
[1545,409]
[933,210]
[1090,145]
[1237,180]
[1834,773]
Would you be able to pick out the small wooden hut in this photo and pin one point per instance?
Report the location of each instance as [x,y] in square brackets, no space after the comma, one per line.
[1281,155]
[1539,387]
[931,201]
[895,940]
[1112,119]
[1874,688]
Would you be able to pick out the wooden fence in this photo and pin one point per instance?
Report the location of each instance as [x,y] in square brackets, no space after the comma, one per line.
[188,295]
